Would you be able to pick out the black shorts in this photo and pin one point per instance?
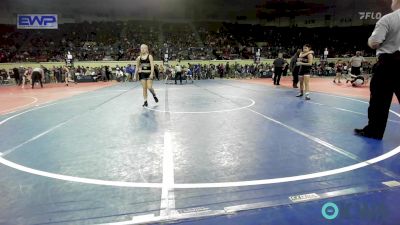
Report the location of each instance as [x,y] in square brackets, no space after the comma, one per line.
[144,76]
[356,70]
[305,70]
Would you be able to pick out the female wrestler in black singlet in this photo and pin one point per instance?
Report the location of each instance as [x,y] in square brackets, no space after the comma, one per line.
[305,62]
[339,70]
[145,69]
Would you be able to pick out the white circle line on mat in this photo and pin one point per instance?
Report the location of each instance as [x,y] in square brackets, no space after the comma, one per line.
[345,169]
[252,102]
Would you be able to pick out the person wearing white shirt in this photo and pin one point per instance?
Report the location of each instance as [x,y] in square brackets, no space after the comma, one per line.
[356,63]
[386,78]
[178,73]
[326,53]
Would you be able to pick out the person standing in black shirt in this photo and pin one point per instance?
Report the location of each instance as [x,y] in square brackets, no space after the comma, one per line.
[17,76]
[295,69]
[279,64]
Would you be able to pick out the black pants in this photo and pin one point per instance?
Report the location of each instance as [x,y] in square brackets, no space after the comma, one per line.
[178,74]
[36,77]
[58,77]
[356,70]
[17,80]
[295,74]
[385,82]
[278,74]
[284,73]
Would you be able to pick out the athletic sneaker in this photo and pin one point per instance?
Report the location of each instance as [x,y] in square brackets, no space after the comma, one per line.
[299,95]
[145,104]
[308,96]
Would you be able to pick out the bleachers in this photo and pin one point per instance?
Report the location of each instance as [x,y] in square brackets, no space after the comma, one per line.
[209,40]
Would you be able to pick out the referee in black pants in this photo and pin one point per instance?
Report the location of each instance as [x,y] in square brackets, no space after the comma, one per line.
[279,64]
[295,69]
[178,73]
[386,79]
[37,76]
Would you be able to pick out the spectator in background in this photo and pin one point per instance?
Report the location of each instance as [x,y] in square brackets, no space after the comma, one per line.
[156,71]
[326,53]
[161,71]
[227,69]
[130,70]
[21,72]
[16,76]
[103,74]
[119,74]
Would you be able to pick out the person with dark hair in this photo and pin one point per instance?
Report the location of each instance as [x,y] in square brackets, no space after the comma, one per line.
[305,61]
[58,74]
[339,71]
[156,71]
[227,70]
[386,80]
[295,69]
[108,73]
[178,73]
[279,64]
[16,76]
[145,69]
[130,71]
[285,69]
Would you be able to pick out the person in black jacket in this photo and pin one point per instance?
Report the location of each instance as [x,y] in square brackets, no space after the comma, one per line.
[295,69]
[17,76]
[279,64]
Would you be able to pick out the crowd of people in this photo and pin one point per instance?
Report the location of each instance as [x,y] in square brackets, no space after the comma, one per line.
[98,41]
[194,71]
[124,73]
